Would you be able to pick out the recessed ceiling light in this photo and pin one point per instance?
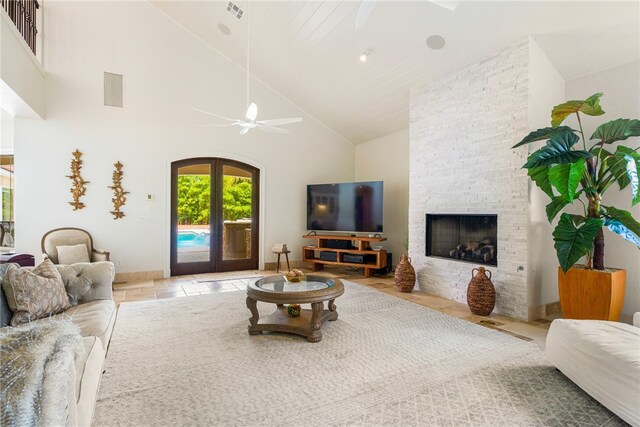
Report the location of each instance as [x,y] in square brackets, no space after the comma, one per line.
[364,55]
[224,29]
[435,42]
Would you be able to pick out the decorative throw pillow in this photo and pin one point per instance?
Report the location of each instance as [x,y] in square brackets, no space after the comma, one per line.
[34,293]
[72,254]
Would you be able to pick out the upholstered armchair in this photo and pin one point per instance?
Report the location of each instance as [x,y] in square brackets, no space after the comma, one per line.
[69,237]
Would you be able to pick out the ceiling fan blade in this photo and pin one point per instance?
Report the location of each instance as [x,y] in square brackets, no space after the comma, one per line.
[244,131]
[279,122]
[451,5]
[365,9]
[271,129]
[213,114]
[252,112]
[216,125]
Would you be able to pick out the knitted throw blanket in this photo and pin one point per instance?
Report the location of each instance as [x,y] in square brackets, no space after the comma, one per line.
[36,365]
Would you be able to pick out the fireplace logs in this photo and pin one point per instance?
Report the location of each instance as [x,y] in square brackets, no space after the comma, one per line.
[464,237]
[482,251]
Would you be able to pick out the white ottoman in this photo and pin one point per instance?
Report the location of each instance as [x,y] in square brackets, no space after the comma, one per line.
[603,358]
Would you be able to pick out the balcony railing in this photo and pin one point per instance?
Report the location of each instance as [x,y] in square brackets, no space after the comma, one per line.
[23,14]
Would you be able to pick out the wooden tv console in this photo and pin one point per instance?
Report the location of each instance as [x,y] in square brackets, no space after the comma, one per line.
[363,248]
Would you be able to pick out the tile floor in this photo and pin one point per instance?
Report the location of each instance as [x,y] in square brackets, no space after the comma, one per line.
[237,281]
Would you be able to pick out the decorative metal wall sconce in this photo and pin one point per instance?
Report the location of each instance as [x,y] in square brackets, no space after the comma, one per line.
[78,189]
[119,195]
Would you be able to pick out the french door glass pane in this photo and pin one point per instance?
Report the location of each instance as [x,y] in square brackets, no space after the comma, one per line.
[237,187]
[194,213]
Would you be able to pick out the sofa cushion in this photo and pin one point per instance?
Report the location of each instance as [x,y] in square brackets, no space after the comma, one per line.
[34,293]
[88,370]
[72,254]
[95,319]
[87,282]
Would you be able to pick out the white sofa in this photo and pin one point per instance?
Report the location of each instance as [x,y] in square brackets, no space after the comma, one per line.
[602,358]
[89,286]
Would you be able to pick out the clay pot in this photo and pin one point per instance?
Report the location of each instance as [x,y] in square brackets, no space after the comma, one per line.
[405,275]
[481,295]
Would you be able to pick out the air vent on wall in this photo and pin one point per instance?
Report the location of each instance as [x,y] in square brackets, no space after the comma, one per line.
[235,10]
[113,96]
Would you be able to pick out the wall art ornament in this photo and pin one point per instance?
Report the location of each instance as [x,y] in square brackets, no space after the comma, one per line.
[119,195]
[78,188]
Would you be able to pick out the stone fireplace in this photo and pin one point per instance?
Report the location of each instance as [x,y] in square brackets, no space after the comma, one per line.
[462,128]
[468,238]
[462,168]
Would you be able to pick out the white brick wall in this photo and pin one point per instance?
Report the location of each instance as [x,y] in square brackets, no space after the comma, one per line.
[462,128]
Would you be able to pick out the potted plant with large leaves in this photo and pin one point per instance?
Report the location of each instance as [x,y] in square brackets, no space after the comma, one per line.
[571,169]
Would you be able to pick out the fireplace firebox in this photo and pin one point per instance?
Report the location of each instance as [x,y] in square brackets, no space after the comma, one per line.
[463,237]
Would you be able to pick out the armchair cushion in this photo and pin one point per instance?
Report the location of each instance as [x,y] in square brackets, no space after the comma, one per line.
[72,254]
[34,293]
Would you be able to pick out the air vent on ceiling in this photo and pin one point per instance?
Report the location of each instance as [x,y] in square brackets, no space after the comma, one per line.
[113,90]
[235,10]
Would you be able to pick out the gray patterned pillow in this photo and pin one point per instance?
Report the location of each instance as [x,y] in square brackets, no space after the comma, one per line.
[34,293]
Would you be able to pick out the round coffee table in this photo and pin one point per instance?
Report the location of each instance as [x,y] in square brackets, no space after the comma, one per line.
[313,290]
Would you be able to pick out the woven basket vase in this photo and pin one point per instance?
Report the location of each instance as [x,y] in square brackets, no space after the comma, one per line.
[405,275]
[481,295]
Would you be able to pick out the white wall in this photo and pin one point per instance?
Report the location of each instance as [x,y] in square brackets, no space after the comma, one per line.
[167,72]
[21,76]
[621,88]
[546,89]
[6,132]
[387,159]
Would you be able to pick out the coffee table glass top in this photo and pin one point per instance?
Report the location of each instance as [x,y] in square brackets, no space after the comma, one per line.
[280,284]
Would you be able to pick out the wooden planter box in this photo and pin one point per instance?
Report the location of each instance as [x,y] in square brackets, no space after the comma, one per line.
[591,294]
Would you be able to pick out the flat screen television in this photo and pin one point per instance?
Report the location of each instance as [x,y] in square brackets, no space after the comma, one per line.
[350,206]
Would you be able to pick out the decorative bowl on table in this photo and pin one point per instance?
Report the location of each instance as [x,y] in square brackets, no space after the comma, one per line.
[294,276]
[377,247]
[294,310]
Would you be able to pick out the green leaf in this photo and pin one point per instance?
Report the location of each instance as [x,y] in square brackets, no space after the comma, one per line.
[540,134]
[557,151]
[565,178]
[557,204]
[617,130]
[596,150]
[624,166]
[590,107]
[540,175]
[622,223]
[572,242]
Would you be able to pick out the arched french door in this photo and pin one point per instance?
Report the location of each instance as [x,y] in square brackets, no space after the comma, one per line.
[214,216]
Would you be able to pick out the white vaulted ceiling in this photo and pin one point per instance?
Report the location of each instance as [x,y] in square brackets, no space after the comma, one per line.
[309,50]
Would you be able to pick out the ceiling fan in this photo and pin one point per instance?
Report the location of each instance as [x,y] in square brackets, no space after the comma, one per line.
[367,6]
[249,121]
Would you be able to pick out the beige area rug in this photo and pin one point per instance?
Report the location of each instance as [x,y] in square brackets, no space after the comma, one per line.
[190,361]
